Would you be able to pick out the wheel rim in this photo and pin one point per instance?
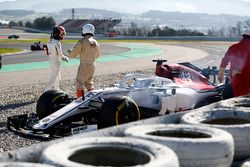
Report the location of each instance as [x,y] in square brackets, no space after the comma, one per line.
[57,102]
[123,115]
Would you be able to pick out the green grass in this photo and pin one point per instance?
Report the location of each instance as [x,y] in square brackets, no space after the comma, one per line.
[9,50]
[43,40]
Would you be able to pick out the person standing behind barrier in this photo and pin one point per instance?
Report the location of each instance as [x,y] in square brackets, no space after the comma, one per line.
[88,50]
[238,55]
[54,51]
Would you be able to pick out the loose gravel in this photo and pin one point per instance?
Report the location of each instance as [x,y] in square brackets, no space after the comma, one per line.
[22,99]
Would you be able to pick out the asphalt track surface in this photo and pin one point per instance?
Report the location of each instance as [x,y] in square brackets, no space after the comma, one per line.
[38,56]
[32,67]
[118,57]
[32,60]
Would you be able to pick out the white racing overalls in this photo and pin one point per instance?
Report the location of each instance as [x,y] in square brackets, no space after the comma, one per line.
[88,50]
[55,55]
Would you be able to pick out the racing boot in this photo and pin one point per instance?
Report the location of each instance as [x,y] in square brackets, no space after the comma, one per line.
[80,93]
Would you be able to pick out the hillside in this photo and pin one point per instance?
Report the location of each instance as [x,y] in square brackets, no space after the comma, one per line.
[148,19]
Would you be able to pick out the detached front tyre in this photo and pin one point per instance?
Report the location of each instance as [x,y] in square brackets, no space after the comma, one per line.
[117,110]
[51,101]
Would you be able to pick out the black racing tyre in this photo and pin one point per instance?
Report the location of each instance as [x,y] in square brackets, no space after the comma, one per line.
[117,110]
[109,151]
[23,164]
[236,121]
[51,101]
[195,146]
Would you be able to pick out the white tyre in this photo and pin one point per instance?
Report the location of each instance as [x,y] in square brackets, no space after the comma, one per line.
[246,163]
[109,151]
[235,121]
[241,101]
[22,164]
[195,146]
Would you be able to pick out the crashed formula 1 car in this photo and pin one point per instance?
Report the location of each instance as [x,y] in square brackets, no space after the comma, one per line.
[188,75]
[38,46]
[136,96]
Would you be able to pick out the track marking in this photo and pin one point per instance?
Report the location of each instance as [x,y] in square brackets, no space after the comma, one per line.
[137,51]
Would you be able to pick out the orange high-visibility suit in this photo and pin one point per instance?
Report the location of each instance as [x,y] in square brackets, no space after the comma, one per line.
[88,50]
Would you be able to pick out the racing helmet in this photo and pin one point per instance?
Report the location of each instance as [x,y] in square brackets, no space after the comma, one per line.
[88,29]
[246,32]
[58,32]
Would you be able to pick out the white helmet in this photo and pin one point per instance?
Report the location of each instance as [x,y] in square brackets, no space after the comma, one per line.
[88,29]
[246,32]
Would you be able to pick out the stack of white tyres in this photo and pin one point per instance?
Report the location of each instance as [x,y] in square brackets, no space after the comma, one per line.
[241,101]
[236,121]
[195,146]
[109,151]
[23,164]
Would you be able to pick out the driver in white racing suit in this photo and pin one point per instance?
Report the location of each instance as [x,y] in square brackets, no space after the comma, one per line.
[54,51]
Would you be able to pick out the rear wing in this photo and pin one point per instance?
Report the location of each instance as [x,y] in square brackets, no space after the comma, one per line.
[210,72]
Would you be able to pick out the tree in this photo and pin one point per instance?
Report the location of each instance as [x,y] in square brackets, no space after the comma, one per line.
[44,23]
[222,31]
[28,24]
[246,24]
[133,30]
[12,23]
[155,32]
[166,31]
[144,31]
[20,23]
[230,31]
[239,27]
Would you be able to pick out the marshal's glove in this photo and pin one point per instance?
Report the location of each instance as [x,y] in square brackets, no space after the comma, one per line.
[65,58]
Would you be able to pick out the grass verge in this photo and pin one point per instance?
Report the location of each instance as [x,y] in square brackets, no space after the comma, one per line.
[9,50]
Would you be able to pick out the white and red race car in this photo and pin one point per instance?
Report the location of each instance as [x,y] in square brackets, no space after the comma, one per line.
[136,96]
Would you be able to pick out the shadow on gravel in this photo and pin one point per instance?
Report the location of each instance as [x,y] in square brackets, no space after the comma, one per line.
[2,130]
[15,105]
[3,127]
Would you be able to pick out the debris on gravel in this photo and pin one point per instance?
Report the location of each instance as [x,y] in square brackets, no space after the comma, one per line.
[22,99]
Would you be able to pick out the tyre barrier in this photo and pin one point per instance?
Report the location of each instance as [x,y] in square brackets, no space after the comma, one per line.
[23,164]
[195,146]
[233,120]
[109,151]
[246,163]
[242,101]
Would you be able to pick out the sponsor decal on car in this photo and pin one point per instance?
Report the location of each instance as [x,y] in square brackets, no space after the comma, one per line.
[81,129]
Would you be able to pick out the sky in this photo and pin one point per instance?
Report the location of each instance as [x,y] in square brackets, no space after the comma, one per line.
[235,7]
